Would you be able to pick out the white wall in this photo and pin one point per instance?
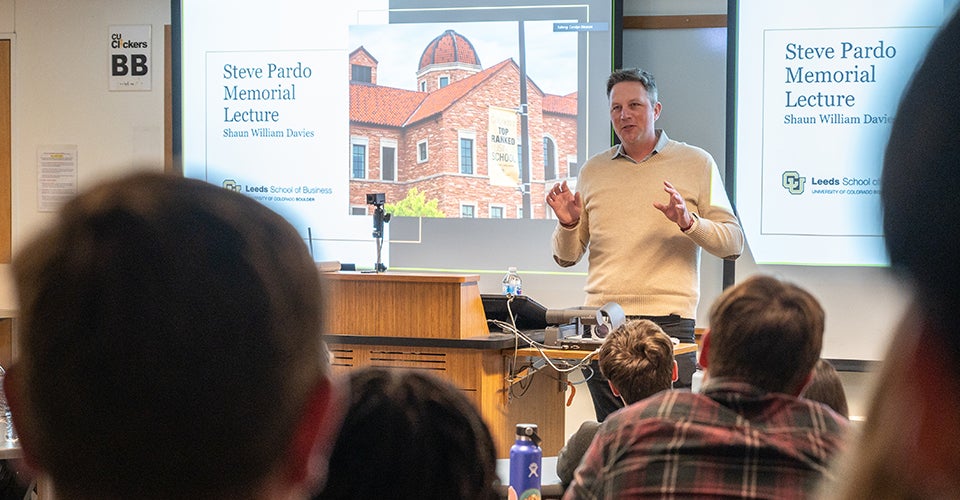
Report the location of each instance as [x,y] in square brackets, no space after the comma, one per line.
[60,96]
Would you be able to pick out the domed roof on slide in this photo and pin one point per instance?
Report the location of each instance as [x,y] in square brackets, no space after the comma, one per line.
[449,47]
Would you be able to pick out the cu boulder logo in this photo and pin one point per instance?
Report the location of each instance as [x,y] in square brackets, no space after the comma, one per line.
[793,182]
[232,185]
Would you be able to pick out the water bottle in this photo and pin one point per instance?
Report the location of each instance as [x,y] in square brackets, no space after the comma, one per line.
[6,419]
[512,284]
[525,463]
[696,382]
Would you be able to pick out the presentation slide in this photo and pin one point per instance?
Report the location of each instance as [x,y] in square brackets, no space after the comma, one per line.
[311,106]
[817,88]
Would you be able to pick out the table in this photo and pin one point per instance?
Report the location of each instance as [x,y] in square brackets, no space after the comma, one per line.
[558,353]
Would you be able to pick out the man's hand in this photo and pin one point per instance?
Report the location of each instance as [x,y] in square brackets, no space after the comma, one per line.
[675,209]
[566,204]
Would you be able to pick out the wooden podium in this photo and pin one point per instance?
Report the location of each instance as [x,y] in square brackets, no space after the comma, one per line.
[436,322]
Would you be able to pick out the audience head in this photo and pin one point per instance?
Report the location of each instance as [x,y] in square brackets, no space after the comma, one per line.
[827,388]
[920,211]
[637,359]
[169,346]
[766,332]
[409,434]
[644,77]
[908,446]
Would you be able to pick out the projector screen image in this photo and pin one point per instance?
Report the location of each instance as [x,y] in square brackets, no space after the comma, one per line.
[464,111]
[816,93]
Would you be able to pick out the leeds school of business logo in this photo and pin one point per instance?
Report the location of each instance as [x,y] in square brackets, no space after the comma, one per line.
[232,185]
[793,182]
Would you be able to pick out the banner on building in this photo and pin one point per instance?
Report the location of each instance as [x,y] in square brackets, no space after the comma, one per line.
[503,147]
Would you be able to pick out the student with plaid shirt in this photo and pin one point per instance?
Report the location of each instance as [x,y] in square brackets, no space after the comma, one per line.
[747,434]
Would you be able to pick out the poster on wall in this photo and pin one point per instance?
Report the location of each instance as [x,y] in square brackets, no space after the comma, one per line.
[129,56]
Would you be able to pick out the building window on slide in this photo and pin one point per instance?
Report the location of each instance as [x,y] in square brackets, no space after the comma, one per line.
[358,161]
[466,155]
[388,160]
[360,73]
[549,159]
[422,151]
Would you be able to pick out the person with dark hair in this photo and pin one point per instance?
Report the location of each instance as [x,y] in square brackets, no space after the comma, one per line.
[909,445]
[170,347]
[827,388]
[746,434]
[645,208]
[637,359]
[410,434]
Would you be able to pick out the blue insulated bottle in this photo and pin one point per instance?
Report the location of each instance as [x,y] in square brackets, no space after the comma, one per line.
[525,462]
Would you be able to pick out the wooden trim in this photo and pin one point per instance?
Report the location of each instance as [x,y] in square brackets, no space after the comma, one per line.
[168,99]
[6,341]
[6,153]
[674,22]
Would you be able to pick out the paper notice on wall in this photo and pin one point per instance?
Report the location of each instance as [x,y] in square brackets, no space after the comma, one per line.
[56,176]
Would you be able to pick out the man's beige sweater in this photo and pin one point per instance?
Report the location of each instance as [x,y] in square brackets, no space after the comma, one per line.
[639,258]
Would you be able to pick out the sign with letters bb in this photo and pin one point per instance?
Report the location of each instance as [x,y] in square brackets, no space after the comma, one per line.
[129,57]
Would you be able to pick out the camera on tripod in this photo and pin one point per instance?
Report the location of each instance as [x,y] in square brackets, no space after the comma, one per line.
[376,199]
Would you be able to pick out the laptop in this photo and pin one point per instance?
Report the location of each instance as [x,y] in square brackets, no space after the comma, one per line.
[528,313]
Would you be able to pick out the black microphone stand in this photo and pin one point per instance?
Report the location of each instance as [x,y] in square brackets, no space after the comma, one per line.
[379,218]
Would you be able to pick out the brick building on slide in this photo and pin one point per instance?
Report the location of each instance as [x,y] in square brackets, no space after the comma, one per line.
[457,136]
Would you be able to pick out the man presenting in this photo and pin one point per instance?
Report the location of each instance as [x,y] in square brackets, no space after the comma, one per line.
[645,208]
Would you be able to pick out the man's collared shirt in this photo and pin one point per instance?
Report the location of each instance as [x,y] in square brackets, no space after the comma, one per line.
[662,141]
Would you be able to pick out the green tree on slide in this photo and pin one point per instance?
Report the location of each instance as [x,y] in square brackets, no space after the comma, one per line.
[414,205]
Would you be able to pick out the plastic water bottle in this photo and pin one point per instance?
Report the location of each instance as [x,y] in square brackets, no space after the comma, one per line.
[696,382]
[526,459]
[512,284]
[7,420]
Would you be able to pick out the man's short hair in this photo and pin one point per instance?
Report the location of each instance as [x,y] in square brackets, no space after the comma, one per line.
[170,339]
[634,75]
[766,332]
[637,358]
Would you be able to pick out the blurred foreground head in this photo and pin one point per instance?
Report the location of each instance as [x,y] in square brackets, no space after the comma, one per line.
[410,434]
[909,446]
[170,346]
[918,194]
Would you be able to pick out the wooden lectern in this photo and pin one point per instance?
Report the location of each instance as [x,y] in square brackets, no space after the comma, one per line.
[436,322]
